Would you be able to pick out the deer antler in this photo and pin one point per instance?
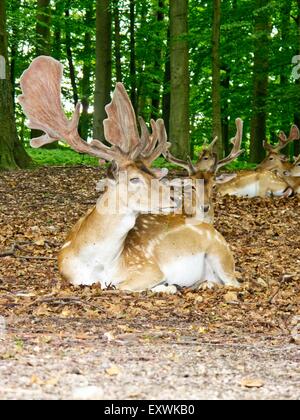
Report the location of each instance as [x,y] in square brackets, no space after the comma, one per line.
[237,143]
[164,146]
[208,150]
[154,144]
[41,102]
[283,140]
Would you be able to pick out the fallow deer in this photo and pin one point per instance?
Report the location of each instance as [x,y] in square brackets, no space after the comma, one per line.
[259,183]
[128,251]
[206,169]
[275,160]
[292,176]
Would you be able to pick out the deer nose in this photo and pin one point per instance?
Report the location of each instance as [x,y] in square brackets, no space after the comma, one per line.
[206,208]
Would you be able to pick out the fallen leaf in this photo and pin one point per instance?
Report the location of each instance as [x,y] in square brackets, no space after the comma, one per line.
[113,371]
[252,383]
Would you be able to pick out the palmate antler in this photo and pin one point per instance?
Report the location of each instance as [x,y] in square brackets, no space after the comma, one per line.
[237,144]
[209,150]
[41,102]
[283,140]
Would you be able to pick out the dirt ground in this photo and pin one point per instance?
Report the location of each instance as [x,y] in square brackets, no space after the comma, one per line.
[61,342]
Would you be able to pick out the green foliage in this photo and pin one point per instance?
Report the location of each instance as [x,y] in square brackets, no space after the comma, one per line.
[237,46]
[60,157]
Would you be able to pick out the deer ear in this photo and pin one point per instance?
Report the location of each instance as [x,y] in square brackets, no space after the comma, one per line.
[112,172]
[223,178]
[160,173]
[284,158]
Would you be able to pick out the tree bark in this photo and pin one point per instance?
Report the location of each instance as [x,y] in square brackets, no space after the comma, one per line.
[133,77]
[103,65]
[285,9]
[43,27]
[179,56]
[43,43]
[260,81]
[86,79]
[160,16]
[297,112]
[12,153]
[70,54]
[225,83]
[117,34]
[57,33]
[14,51]
[216,76]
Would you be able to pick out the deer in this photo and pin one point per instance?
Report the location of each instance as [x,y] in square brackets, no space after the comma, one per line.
[248,184]
[268,179]
[292,176]
[205,170]
[275,160]
[295,169]
[126,249]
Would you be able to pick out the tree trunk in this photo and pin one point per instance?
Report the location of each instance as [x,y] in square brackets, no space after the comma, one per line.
[167,88]
[12,153]
[261,81]
[103,66]
[179,55]
[225,83]
[133,78]
[70,54]
[57,35]
[117,33]
[86,79]
[43,43]
[285,9]
[216,76]
[14,51]
[297,112]
[43,27]
[158,59]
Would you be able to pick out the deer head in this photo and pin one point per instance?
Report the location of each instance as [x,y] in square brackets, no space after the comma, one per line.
[275,160]
[295,170]
[207,167]
[41,102]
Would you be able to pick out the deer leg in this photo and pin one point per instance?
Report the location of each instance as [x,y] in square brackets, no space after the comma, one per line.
[147,278]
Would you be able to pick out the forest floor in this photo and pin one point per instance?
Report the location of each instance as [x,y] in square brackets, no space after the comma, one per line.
[58,341]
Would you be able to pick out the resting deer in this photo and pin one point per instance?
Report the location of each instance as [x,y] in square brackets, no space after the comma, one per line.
[292,176]
[274,159]
[206,169]
[113,249]
[260,183]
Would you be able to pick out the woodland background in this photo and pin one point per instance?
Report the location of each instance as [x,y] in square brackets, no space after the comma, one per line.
[197,64]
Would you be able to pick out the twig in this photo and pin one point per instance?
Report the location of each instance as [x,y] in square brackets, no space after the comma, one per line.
[28,257]
[66,301]
[10,252]
[278,289]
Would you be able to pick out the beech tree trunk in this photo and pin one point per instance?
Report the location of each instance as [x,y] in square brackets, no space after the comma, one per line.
[86,79]
[133,77]
[179,56]
[297,112]
[216,77]
[12,153]
[103,65]
[158,60]
[70,54]
[117,34]
[262,31]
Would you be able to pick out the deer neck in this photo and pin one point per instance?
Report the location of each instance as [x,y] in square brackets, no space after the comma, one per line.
[114,223]
[101,235]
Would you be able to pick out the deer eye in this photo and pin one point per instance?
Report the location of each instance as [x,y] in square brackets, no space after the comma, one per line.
[271,158]
[135,181]
[206,158]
